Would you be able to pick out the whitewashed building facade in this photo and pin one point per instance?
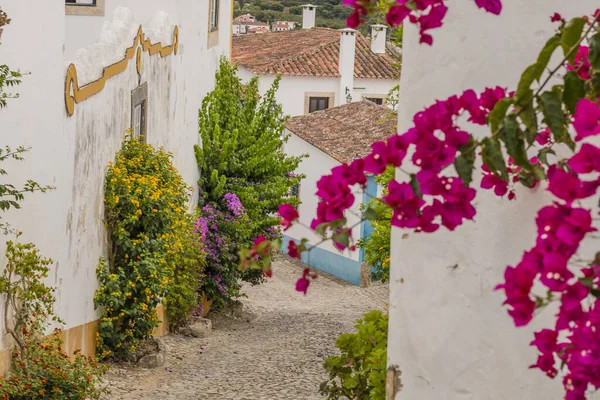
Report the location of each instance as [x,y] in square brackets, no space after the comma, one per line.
[330,138]
[450,337]
[99,67]
[320,67]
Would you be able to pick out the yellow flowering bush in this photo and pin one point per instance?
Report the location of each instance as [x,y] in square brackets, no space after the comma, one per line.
[145,209]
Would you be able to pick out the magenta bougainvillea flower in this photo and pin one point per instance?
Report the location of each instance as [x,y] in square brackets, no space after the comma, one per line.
[586,120]
[491,6]
[288,214]
[293,250]
[581,64]
[557,18]
[303,283]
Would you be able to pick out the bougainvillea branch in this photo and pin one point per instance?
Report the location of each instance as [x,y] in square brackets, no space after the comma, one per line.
[525,127]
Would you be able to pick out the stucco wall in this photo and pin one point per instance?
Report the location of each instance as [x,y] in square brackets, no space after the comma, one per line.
[372,88]
[292,89]
[314,167]
[449,334]
[72,153]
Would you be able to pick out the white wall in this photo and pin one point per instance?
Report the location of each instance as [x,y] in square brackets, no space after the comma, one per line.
[371,87]
[449,334]
[317,164]
[292,89]
[72,153]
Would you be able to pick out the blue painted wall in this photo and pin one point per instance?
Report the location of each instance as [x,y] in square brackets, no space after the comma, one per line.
[366,229]
[332,263]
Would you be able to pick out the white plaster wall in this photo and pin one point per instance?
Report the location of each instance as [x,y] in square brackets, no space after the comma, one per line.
[449,334]
[314,167]
[292,89]
[72,153]
[370,87]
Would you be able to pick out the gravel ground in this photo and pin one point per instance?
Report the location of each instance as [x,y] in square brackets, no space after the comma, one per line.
[274,350]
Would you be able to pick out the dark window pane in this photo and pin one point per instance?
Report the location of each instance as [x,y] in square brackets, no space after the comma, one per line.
[376,100]
[318,104]
[295,191]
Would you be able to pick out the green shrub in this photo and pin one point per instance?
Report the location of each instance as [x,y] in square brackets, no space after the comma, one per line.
[242,135]
[145,205]
[40,367]
[188,265]
[359,372]
[377,246]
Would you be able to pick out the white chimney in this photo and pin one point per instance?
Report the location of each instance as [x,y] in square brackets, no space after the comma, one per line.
[309,13]
[346,65]
[378,34]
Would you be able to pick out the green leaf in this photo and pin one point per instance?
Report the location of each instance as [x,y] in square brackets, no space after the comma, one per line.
[543,154]
[594,52]
[370,214]
[498,113]
[546,54]
[574,90]
[342,238]
[570,36]
[538,172]
[322,228]
[589,282]
[529,118]
[414,183]
[527,180]
[527,78]
[493,158]
[515,145]
[266,262]
[555,118]
[464,163]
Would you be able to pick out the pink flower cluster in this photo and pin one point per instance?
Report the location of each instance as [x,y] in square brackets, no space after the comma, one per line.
[561,229]
[427,14]
[436,138]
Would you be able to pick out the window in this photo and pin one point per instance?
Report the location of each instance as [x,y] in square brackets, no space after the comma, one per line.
[84,7]
[213,23]
[139,111]
[376,100]
[295,190]
[318,104]
[214,14]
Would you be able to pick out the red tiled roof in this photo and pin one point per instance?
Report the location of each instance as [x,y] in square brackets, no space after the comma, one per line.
[309,52]
[347,131]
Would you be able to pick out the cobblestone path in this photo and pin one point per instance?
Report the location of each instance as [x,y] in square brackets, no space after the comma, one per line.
[274,350]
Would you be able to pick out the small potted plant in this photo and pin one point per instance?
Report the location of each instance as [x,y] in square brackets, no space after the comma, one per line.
[4,20]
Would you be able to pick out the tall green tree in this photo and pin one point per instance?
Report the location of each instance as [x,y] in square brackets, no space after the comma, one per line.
[242,136]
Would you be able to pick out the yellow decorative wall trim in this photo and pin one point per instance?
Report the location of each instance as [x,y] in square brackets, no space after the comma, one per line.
[75,94]
[83,337]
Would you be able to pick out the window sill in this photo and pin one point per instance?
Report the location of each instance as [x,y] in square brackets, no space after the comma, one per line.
[213,37]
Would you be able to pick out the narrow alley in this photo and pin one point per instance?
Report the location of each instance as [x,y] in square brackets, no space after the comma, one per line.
[273,350]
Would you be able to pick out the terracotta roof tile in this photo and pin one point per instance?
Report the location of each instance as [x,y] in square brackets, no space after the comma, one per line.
[346,131]
[309,52]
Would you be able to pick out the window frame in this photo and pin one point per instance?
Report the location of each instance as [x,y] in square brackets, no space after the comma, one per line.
[214,12]
[376,100]
[318,101]
[308,95]
[139,97]
[94,9]
[295,190]
[371,97]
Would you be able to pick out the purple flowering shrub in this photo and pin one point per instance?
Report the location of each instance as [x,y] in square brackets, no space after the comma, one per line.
[221,228]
